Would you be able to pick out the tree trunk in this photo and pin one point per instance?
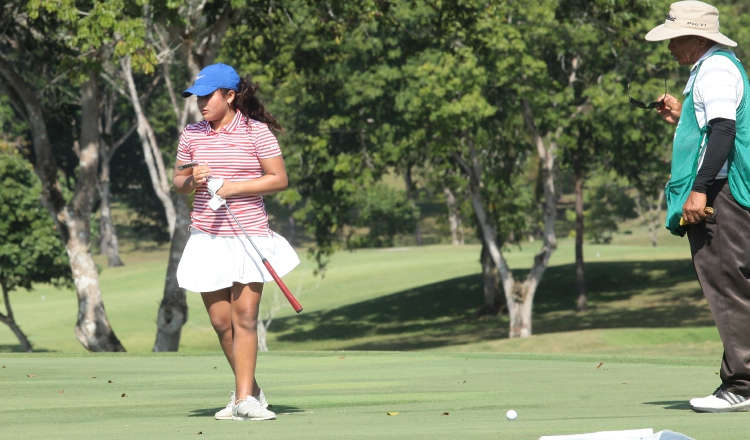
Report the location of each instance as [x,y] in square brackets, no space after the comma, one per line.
[92,328]
[108,236]
[582,305]
[519,297]
[519,309]
[454,220]
[72,219]
[173,310]
[151,152]
[108,243]
[490,286]
[10,321]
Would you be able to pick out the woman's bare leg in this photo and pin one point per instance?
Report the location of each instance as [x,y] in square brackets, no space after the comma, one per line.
[219,307]
[245,303]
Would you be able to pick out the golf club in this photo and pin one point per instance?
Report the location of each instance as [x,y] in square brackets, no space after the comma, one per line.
[288,294]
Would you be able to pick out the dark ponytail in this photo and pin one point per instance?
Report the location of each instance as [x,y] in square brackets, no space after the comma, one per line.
[251,106]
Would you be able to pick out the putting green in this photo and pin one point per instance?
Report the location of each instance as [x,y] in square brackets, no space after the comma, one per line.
[347,395]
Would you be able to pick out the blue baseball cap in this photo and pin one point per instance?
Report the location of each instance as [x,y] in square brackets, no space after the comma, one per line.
[215,76]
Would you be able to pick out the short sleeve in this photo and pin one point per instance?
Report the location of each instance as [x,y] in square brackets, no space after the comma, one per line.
[266,144]
[184,152]
[721,88]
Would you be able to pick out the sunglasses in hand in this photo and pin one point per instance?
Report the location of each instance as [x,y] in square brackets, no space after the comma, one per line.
[641,104]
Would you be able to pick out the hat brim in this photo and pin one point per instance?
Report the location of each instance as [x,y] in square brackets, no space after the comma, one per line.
[662,32]
[199,90]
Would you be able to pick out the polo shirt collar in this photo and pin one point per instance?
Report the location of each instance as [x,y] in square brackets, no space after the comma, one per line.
[229,128]
[708,53]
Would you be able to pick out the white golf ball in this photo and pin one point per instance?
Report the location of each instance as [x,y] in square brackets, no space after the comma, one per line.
[511,414]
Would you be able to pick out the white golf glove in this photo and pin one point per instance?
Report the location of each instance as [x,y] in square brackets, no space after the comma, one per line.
[216,200]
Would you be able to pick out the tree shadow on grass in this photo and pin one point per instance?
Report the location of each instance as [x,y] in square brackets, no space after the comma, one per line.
[16,348]
[621,295]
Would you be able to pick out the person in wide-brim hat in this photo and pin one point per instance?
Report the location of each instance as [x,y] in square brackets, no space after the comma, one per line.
[712,205]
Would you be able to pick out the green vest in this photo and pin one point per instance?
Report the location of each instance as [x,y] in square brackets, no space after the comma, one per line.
[689,142]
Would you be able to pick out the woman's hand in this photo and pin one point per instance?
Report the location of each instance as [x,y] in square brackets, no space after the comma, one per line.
[201,173]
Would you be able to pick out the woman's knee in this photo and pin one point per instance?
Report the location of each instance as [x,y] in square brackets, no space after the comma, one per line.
[221,324]
[246,322]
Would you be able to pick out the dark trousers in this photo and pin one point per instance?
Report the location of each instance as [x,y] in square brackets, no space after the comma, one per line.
[721,256]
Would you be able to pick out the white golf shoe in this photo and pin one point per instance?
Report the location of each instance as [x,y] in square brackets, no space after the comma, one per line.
[250,408]
[262,399]
[720,401]
[226,412]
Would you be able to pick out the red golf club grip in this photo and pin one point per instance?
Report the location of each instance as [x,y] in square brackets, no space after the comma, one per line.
[292,300]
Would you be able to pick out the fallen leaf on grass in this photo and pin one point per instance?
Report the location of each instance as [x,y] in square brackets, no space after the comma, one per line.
[342,357]
[446,413]
[31,375]
[61,391]
[93,377]
[3,366]
[393,413]
[600,364]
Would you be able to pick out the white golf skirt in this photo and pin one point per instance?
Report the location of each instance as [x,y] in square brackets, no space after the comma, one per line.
[211,263]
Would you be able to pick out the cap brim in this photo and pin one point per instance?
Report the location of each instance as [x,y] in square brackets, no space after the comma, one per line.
[662,32]
[201,90]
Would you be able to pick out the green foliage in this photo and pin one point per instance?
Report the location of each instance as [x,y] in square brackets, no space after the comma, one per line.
[92,26]
[386,212]
[364,87]
[30,249]
[609,205]
[12,128]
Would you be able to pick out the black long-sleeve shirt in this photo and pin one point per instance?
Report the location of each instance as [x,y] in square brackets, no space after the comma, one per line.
[720,143]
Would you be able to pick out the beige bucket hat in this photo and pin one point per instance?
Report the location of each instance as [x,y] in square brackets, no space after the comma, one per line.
[690,18]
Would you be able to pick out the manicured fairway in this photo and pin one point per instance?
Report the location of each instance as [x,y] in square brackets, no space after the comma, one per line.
[347,395]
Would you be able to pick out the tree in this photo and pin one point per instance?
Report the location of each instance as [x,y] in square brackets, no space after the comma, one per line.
[370,86]
[591,45]
[43,33]
[30,250]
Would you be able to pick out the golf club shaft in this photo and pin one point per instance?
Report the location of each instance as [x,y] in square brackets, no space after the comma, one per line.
[292,300]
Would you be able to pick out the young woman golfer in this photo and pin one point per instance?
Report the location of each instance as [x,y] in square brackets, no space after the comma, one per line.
[236,152]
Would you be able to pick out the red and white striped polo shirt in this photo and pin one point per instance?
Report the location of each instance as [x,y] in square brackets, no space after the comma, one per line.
[233,154]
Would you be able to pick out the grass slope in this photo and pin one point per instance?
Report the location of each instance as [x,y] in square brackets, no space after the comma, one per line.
[325,395]
[642,300]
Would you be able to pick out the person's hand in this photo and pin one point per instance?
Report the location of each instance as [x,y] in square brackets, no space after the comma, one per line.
[226,189]
[694,209]
[201,173]
[671,109]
